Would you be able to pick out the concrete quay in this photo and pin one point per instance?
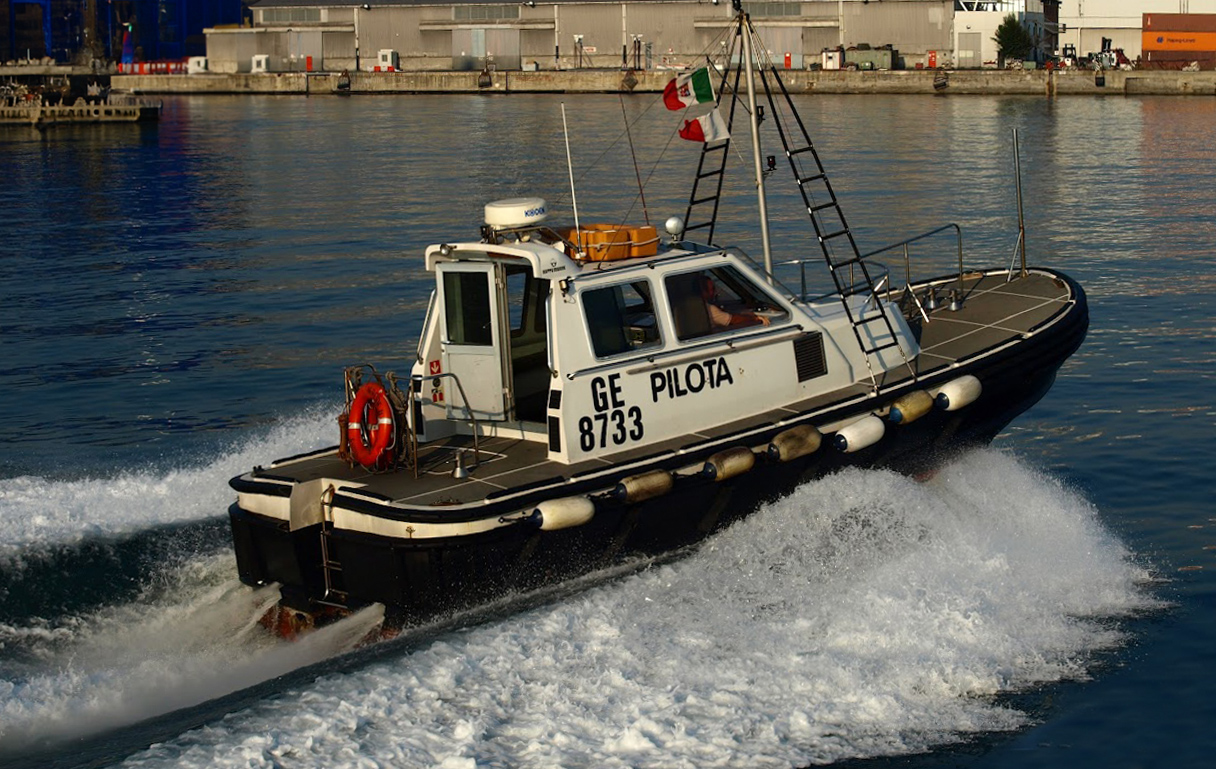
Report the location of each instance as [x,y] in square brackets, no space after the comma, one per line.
[941,82]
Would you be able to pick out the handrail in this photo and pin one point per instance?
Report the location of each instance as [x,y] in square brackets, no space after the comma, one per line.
[905,243]
[853,284]
[802,263]
[467,406]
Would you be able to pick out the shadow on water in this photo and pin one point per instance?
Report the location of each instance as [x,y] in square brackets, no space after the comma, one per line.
[62,579]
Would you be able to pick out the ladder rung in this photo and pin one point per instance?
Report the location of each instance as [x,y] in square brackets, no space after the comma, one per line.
[844,263]
[883,346]
[708,174]
[800,150]
[804,179]
[688,227]
[837,234]
[872,319]
[699,201]
[880,348]
[821,206]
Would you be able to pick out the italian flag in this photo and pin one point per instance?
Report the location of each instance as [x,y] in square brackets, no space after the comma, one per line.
[707,128]
[691,88]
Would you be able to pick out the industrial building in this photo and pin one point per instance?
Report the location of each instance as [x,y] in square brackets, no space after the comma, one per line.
[295,35]
[333,35]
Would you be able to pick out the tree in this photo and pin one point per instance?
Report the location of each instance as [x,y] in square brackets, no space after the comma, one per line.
[1013,42]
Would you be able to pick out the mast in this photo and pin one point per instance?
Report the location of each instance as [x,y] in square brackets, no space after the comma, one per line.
[745,27]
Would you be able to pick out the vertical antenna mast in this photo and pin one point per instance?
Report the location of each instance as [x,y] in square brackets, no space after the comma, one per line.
[1017,172]
[746,25]
[570,168]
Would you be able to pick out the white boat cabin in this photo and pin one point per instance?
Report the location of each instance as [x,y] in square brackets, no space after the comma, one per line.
[595,355]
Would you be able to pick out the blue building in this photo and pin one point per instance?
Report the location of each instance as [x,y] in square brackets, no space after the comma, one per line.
[76,30]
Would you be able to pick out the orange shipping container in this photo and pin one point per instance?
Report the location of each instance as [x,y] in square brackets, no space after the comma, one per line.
[1179,22]
[1177,41]
[1179,56]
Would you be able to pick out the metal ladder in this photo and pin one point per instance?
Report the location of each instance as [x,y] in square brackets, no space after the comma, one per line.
[850,272]
[331,570]
[712,166]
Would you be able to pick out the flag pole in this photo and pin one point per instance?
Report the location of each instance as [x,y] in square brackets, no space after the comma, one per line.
[746,28]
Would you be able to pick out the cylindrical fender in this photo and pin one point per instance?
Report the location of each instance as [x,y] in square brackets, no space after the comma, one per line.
[958,393]
[729,463]
[795,442]
[857,435]
[911,407]
[643,486]
[554,514]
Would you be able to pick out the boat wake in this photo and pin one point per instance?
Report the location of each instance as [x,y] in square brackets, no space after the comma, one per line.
[864,615]
[119,599]
[42,515]
[189,639]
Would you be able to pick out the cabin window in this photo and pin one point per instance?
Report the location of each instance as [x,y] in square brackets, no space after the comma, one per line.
[466,307]
[714,301]
[620,318]
[517,293]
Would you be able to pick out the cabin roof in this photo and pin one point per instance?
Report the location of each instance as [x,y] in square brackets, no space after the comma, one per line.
[553,263]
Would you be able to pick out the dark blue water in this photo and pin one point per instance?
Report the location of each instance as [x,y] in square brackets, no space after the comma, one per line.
[181,299]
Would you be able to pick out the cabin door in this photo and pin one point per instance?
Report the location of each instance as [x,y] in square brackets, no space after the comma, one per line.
[471,296]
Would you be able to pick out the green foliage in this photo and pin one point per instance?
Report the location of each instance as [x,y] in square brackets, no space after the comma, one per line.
[1013,42]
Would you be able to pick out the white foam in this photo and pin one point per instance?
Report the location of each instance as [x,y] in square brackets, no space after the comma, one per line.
[864,615]
[41,512]
[189,639]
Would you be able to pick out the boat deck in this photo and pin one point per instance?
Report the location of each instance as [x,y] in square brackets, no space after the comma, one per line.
[994,311]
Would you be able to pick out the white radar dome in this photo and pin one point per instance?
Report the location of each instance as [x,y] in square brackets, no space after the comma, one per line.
[516,212]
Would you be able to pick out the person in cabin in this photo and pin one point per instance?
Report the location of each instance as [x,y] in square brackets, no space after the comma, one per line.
[720,318]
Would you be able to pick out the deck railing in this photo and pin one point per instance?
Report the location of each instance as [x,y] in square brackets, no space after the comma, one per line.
[904,244]
[883,282]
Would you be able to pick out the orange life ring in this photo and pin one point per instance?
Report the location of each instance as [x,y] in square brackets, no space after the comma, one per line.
[370,446]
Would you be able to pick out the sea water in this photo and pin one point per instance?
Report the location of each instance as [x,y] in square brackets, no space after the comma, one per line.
[181,301]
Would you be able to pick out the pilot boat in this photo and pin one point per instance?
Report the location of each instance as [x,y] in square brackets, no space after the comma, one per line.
[587,397]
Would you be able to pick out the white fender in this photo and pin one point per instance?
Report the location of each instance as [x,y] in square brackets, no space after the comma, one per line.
[643,486]
[856,436]
[794,442]
[911,407]
[958,393]
[729,463]
[554,514]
